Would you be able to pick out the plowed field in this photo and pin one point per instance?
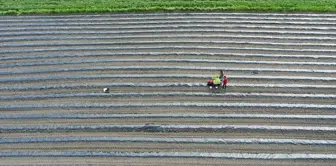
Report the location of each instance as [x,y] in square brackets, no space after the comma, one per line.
[279,107]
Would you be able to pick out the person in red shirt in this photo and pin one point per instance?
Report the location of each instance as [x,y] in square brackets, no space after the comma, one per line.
[225,82]
[210,82]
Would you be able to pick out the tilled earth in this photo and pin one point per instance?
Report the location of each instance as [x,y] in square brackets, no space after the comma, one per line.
[278,109]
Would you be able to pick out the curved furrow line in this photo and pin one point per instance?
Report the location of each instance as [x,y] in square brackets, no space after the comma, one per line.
[169,140]
[153,85]
[202,48]
[182,19]
[149,21]
[153,54]
[263,156]
[164,128]
[33,21]
[168,94]
[163,60]
[171,104]
[38,25]
[158,68]
[173,36]
[176,14]
[167,26]
[213,116]
[148,42]
[24,79]
[162,30]
[171,20]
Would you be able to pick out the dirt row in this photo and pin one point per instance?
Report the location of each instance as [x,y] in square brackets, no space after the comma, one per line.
[185,43]
[177,49]
[170,110]
[140,99]
[233,135]
[167,121]
[148,61]
[168,147]
[158,161]
[53,58]
[157,70]
[96,88]
[167,37]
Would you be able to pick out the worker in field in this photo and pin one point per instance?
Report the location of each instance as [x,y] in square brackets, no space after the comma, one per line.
[216,81]
[221,75]
[225,82]
[210,82]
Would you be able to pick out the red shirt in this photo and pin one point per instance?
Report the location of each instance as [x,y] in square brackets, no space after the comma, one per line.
[225,81]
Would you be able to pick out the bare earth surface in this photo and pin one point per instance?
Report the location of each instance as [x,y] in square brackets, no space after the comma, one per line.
[279,107]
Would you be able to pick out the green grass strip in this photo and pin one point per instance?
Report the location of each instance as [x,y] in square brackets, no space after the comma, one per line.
[17,7]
